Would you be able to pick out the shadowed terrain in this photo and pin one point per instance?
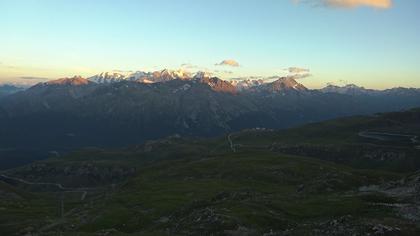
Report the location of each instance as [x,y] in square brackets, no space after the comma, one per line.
[318,179]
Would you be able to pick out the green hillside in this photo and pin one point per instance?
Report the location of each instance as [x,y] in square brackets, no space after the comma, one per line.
[319,179]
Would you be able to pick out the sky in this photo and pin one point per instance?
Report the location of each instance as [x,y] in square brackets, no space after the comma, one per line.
[372,43]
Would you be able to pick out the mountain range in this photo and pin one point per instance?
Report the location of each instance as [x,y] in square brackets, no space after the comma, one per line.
[119,109]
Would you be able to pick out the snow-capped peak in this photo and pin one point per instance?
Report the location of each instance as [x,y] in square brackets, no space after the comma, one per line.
[141,76]
[202,75]
[110,77]
[246,83]
[242,84]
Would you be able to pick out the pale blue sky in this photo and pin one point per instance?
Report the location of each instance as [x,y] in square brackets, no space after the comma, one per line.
[377,48]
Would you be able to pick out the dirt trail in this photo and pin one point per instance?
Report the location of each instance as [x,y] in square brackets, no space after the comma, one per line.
[60,186]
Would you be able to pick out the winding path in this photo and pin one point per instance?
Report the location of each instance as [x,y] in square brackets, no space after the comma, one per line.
[232,146]
[382,136]
[60,186]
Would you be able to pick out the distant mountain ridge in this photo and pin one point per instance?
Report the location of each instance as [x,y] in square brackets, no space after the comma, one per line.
[350,89]
[283,83]
[251,84]
[354,90]
[113,110]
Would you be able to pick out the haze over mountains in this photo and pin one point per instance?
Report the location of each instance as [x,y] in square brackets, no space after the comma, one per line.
[8,89]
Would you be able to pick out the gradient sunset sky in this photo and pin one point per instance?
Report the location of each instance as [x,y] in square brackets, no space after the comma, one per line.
[373,43]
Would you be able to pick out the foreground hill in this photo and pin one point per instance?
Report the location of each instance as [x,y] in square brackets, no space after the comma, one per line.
[115,110]
[352,176]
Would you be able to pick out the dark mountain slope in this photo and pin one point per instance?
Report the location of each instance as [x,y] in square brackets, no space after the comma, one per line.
[74,112]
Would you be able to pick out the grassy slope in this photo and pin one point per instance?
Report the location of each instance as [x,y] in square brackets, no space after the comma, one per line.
[194,186]
[339,141]
[20,209]
[259,190]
